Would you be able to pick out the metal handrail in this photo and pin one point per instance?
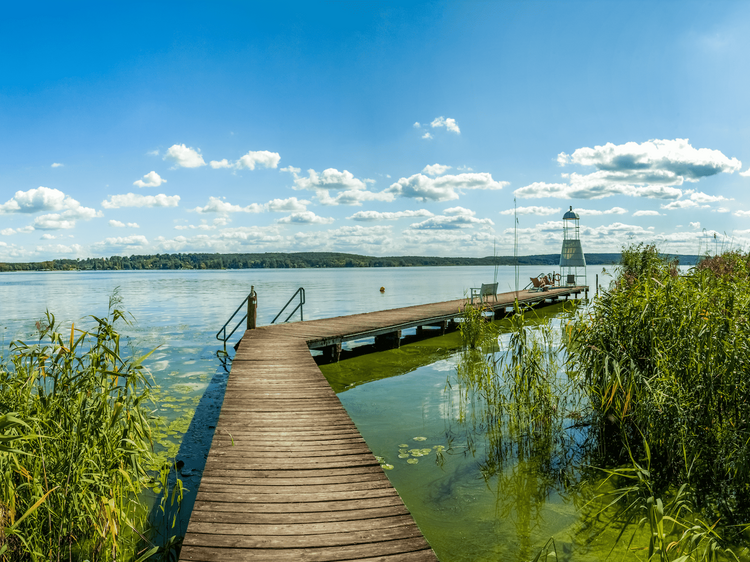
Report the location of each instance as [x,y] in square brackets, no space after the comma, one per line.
[224,327]
[301,293]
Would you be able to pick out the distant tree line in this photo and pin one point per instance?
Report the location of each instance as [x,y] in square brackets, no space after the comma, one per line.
[293,260]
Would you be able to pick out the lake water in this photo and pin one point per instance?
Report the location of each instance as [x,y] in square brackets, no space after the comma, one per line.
[464,515]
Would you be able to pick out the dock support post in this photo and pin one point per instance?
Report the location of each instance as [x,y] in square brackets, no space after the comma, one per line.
[252,308]
[391,340]
[332,353]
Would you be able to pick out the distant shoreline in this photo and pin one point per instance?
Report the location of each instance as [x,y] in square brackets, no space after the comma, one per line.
[297,260]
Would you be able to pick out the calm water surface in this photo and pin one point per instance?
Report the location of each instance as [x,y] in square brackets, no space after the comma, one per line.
[464,516]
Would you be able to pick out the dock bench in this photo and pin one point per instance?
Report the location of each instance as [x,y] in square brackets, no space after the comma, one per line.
[486,290]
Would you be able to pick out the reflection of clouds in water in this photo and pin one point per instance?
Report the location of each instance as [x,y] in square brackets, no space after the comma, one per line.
[189,386]
[191,362]
[446,364]
[160,365]
[191,374]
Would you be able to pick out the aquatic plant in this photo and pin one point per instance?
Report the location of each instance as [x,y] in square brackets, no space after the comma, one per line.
[664,356]
[74,443]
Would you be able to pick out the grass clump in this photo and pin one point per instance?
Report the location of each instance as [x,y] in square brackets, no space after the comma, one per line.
[664,357]
[75,441]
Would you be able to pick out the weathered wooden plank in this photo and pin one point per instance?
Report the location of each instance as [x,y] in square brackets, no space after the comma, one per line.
[354,552]
[291,518]
[212,504]
[302,529]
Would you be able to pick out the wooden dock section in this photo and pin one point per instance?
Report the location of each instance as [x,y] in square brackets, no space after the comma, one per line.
[288,476]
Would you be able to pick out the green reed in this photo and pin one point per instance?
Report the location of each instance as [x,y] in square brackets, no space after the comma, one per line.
[75,443]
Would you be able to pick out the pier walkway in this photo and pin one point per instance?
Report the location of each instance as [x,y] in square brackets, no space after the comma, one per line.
[288,476]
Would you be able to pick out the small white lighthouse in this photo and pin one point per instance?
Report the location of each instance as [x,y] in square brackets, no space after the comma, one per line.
[572,260]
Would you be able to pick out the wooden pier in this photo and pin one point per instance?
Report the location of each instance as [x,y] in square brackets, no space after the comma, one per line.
[288,476]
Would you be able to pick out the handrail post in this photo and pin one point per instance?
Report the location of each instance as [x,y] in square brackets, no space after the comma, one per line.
[252,308]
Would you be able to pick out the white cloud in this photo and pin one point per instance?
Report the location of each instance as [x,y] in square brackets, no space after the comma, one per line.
[448,123]
[372,216]
[676,156]
[218,205]
[154,152]
[417,125]
[699,197]
[223,163]
[352,191]
[134,240]
[133,200]
[53,221]
[742,213]
[291,170]
[184,157]
[304,217]
[61,249]
[444,188]
[720,210]
[596,212]
[683,204]
[329,178]
[435,169]
[48,236]
[746,173]
[119,224]
[291,204]
[533,210]
[353,197]
[39,199]
[262,158]
[152,179]
[465,168]
[453,218]
[650,169]
[427,136]
[57,165]
[695,225]
[22,230]
[647,214]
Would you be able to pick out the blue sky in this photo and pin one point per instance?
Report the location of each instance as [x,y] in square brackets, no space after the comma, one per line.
[375,128]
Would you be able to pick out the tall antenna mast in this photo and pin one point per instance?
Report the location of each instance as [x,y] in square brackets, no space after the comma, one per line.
[515,243]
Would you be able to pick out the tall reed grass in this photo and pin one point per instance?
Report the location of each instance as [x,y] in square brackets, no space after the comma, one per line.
[75,441]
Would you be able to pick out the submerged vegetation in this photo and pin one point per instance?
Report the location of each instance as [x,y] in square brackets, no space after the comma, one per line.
[75,447]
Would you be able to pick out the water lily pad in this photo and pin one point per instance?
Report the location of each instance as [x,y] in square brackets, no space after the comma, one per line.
[404,456]
[403,451]
[403,445]
[426,451]
[413,461]
[388,466]
[420,439]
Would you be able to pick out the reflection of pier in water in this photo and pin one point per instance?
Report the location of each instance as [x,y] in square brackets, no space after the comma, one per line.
[288,476]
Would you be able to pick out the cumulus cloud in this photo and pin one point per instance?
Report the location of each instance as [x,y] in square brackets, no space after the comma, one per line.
[262,158]
[427,136]
[329,178]
[184,157]
[290,204]
[647,214]
[304,217]
[134,240]
[48,236]
[695,225]
[57,165]
[133,200]
[683,204]
[596,212]
[291,170]
[435,169]
[699,197]
[443,188]
[152,179]
[22,230]
[742,213]
[119,224]
[448,123]
[39,199]
[533,210]
[676,157]
[223,163]
[453,218]
[651,169]
[219,205]
[746,173]
[372,216]
[349,189]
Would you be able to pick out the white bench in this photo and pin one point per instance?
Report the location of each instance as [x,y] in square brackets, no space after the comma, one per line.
[486,290]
